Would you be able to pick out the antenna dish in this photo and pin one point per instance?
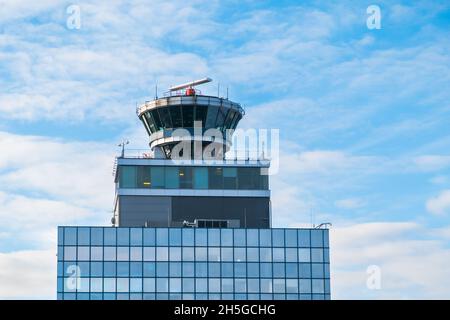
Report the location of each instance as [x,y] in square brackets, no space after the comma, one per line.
[190,84]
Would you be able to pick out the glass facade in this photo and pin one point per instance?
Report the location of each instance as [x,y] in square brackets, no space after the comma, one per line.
[188,177]
[176,116]
[193,263]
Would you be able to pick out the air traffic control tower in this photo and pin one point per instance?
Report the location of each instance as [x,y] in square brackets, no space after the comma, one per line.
[189,223]
[188,181]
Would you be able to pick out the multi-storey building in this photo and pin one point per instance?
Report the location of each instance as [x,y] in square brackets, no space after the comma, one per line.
[189,223]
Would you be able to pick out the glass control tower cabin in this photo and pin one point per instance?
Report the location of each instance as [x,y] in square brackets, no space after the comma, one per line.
[189,223]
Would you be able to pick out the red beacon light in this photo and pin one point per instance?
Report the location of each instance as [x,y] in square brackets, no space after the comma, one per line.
[190,91]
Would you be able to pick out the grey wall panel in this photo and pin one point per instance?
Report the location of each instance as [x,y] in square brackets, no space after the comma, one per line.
[252,212]
[136,210]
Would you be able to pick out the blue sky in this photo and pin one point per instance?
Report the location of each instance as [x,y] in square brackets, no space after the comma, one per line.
[363,118]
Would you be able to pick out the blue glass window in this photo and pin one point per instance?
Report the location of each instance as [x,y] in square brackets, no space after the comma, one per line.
[304,270]
[123,269]
[70,254]
[83,236]
[188,237]
[97,236]
[240,269]
[279,285]
[214,285]
[136,253]
[304,255]
[326,241]
[175,236]
[227,254]
[240,254]
[253,269]
[201,269]
[123,253]
[96,284]
[162,253]
[317,255]
[213,237]
[123,236]
[128,176]
[230,178]
[84,269]
[252,237]
[239,237]
[149,253]
[136,285]
[266,270]
[214,269]
[109,284]
[214,254]
[252,254]
[157,177]
[97,253]
[200,178]
[110,269]
[227,285]
[291,285]
[240,285]
[253,285]
[162,269]
[227,269]
[162,236]
[123,285]
[136,269]
[291,237]
[188,254]
[83,253]
[201,237]
[278,254]
[149,285]
[304,239]
[327,270]
[110,236]
[317,238]
[227,237]
[175,253]
[60,236]
[291,255]
[265,254]
[96,269]
[265,238]
[266,285]
[149,237]
[278,237]
[149,269]
[188,285]
[136,236]
[318,286]
[175,285]
[172,178]
[188,269]
[201,285]
[279,270]
[291,270]
[175,269]
[201,254]
[70,236]
[317,270]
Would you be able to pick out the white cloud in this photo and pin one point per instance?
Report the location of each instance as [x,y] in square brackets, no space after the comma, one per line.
[28,275]
[440,204]
[413,264]
[350,203]
[46,182]
[432,162]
